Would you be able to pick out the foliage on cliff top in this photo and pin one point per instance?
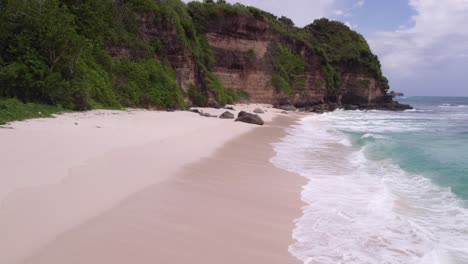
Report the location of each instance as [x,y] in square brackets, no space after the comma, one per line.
[344,49]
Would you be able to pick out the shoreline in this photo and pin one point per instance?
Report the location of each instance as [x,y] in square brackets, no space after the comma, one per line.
[79,236]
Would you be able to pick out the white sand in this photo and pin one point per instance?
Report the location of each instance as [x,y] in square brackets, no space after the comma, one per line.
[55,174]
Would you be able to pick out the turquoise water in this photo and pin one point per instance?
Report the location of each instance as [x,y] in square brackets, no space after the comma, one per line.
[433,140]
[383,187]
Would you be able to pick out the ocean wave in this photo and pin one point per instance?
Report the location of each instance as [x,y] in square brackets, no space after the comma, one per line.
[415,110]
[370,135]
[367,211]
[453,105]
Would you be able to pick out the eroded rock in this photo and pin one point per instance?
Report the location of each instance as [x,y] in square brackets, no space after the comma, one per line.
[250,118]
[259,111]
[227,115]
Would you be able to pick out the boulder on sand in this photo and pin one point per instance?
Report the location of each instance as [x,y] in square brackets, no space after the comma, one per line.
[208,115]
[250,118]
[259,111]
[227,115]
[351,107]
[194,110]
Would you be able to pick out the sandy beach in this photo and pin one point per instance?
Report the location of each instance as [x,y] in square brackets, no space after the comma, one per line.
[144,187]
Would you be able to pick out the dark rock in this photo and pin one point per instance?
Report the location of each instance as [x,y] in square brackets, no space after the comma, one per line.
[259,111]
[286,107]
[392,106]
[250,118]
[214,105]
[208,115]
[284,112]
[351,107]
[76,124]
[227,115]
[230,108]
[194,110]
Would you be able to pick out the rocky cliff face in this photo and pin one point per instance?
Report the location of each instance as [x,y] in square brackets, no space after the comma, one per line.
[161,30]
[243,50]
[242,47]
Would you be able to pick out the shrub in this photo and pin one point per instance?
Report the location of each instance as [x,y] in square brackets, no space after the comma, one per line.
[288,70]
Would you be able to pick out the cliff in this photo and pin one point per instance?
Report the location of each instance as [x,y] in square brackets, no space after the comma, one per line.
[166,54]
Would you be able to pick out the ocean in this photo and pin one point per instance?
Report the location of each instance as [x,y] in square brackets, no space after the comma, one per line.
[384,187]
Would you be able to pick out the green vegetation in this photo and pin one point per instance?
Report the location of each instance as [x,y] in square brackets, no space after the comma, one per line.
[343,50]
[12,109]
[318,84]
[54,52]
[340,48]
[288,70]
[146,83]
[222,95]
[86,54]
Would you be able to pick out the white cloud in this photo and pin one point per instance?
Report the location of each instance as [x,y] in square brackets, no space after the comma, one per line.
[439,36]
[360,3]
[338,12]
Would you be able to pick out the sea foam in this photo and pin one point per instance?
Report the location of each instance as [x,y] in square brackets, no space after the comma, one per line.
[360,210]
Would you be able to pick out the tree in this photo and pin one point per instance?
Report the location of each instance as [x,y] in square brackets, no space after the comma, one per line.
[286,22]
[43,50]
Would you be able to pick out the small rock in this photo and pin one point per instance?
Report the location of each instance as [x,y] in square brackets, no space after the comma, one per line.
[227,115]
[98,127]
[230,108]
[284,112]
[194,110]
[2,123]
[249,118]
[351,107]
[259,111]
[208,115]
[76,124]
[286,107]
[214,105]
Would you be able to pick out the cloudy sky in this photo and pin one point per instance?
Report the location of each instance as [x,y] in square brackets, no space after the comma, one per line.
[422,44]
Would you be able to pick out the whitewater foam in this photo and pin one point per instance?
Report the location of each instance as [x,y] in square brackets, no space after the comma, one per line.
[367,211]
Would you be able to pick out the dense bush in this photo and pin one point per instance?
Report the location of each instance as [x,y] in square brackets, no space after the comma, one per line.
[54,52]
[147,83]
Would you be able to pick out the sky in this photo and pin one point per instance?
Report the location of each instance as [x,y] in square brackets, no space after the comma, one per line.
[422,44]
